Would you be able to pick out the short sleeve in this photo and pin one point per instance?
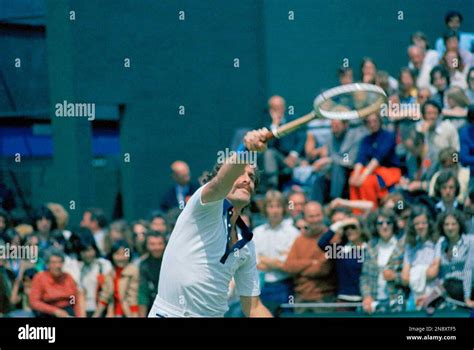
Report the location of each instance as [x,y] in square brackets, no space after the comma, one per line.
[246,277]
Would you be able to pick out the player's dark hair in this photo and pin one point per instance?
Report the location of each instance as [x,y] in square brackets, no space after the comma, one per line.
[213,173]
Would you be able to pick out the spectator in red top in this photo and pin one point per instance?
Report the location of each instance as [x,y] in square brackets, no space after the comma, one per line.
[119,294]
[54,292]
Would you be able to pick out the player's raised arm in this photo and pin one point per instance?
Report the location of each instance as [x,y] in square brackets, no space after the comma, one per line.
[233,167]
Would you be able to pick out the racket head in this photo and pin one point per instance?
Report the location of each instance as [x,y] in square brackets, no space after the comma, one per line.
[358,99]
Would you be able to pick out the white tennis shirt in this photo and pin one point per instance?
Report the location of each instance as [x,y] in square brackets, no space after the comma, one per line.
[193,280]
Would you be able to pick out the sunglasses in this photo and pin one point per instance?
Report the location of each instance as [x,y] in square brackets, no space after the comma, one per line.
[302,227]
[381,222]
[351,227]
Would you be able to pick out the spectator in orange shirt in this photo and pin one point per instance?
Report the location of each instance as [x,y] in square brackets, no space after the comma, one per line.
[314,277]
[54,292]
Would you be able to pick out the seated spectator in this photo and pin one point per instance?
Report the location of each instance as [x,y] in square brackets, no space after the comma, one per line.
[91,270]
[333,167]
[422,59]
[54,292]
[182,189]
[282,155]
[377,165]
[439,78]
[94,219]
[44,223]
[421,162]
[21,293]
[119,295]
[446,189]
[313,274]
[139,231]
[118,231]
[296,203]
[150,271]
[407,87]
[456,110]
[345,242]
[421,239]
[456,67]
[453,21]
[368,70]
[466,136]
[449,159]
[451,41]
[424,94]
[470,85]
[380,282]
[439,134]
[454,252]
[273,242]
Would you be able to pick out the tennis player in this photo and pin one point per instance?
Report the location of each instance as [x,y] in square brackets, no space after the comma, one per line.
[210,245]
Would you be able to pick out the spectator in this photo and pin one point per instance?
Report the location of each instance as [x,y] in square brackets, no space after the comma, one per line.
[332,169]
[470,85]
[439,77]
[118,231]
[453,21]
[439,134]
[150,271]
[296,203]
[451,41]
[456,110]
[408,91]
[43,223]
[421,162]
[54,292]
[183,188]
[62,218]
[449,159]
[421,65]
[368,70]
[273,241]
[457,69]
[94,219]
[282,154]
[7,278]
[424,94]
[466,136]
[91,270]
[380,281]
[140,229]
[345,242]
[158,223]
[421,238]
[21,292]
[454,253]
[120,292]
[377,165]
[313,273]
[446,189]
[345,75]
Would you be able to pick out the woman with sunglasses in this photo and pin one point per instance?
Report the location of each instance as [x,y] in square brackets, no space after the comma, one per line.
[419,255]
[380,282]
[345,242]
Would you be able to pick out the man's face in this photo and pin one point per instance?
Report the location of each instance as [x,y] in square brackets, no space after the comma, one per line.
[416,56]
[338,127]
[181,174]
[159,225]
[88,255]
[55,266]
[448,191]
[423,96]
[313,215]
[454,23]
[277,107]
[87,221]
[274,211]
[156,246]
[296,204]
[373,123]
[431,115]
[452,44]
[243,187]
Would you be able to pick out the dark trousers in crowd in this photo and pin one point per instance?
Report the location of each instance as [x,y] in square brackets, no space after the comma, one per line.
[276,293]
[331,185]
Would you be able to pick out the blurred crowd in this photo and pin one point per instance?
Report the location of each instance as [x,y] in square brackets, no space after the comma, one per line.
[372,215]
